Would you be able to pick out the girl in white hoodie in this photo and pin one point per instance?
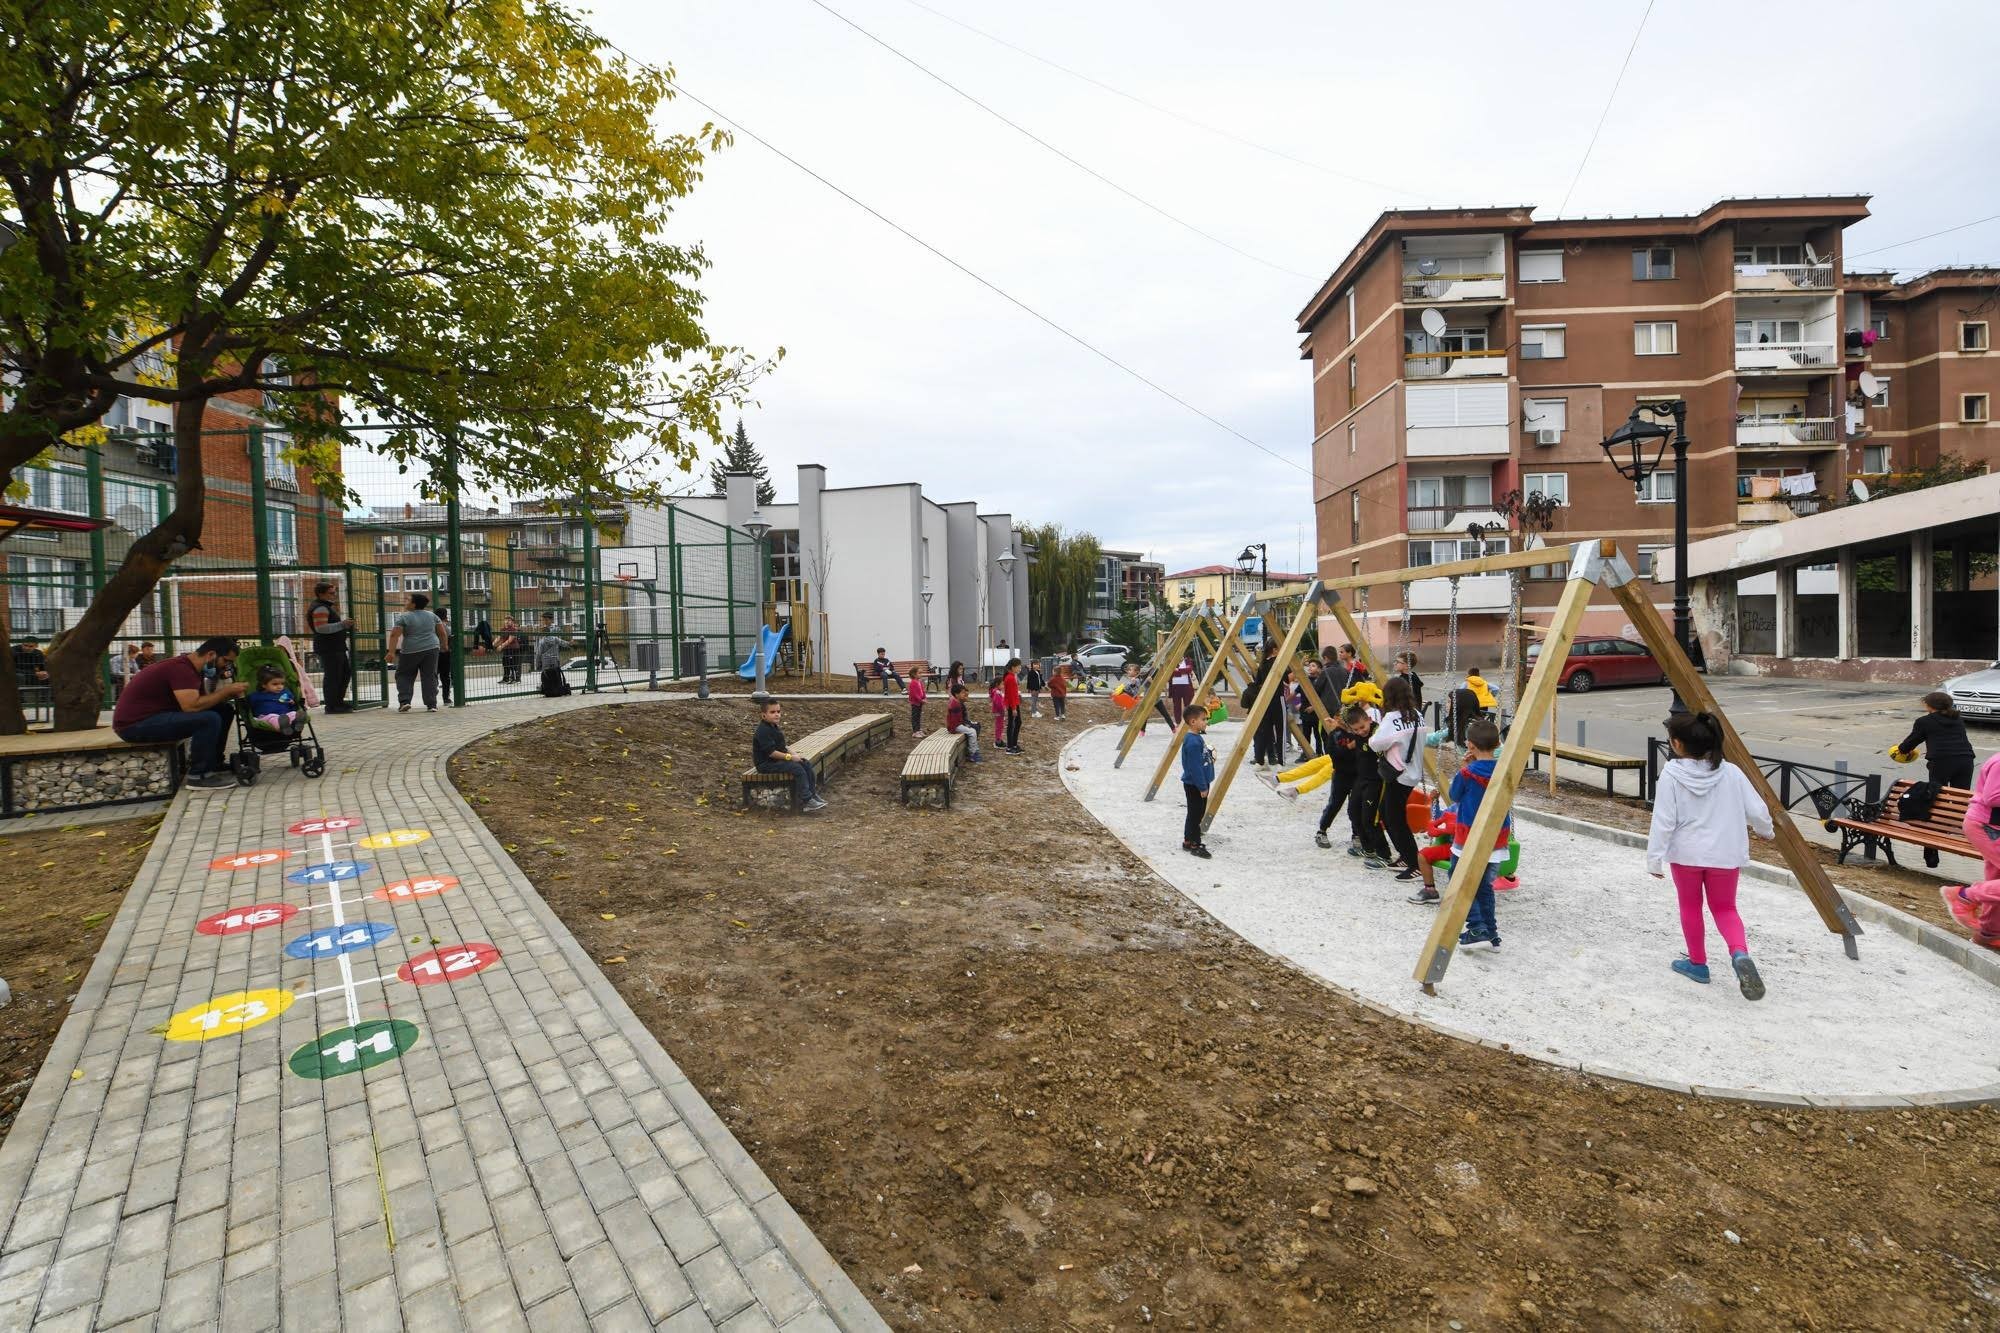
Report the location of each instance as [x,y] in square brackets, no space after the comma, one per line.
[1701,809]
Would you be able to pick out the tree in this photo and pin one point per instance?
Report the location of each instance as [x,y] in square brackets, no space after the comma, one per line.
[739,455]
[445,211]
[1059,582]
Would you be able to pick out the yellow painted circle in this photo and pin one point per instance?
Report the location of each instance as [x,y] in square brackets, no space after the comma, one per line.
[227,1015]
[395,837]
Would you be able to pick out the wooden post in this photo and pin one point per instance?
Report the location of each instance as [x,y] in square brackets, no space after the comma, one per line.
[1176,644]
[1201,691]
[1254,715]
[1506,779]
[1552,742]
[1694,692]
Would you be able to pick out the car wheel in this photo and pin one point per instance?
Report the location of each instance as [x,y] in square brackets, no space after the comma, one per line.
[1580,682]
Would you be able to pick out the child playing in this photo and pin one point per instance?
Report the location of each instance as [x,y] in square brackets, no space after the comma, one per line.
[1700,810]
[956,720]
[1035,684]
[996,697]
[1480,689]
[769,755]
[1468,792]
[1059,691]
[1197,776]
[1406,667]
[1399,745]
[1011,696]
[1977,906]
[1940,734]
[1345,744]
[273,706]
[917,696]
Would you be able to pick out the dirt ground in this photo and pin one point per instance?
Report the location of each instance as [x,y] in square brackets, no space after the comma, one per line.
[45,950]
[1014,1081]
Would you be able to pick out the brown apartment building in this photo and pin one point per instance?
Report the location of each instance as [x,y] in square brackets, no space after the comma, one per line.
[1462,355]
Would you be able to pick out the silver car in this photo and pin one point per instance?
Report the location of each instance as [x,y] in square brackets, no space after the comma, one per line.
[1101,659]
[1977,696]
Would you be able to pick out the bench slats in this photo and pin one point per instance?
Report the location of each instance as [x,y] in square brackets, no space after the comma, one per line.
[1942,830]
[822,747]
[933,762]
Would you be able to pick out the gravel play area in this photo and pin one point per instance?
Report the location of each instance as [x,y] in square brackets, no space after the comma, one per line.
[1581,977]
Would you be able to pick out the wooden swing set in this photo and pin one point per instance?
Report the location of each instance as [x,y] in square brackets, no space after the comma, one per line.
[1592,564]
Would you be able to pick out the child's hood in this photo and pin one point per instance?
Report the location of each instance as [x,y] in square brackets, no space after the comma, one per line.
[1695,776]
[1483,767]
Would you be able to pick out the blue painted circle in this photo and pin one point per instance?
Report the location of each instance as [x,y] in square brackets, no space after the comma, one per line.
[328,871]
[328,941]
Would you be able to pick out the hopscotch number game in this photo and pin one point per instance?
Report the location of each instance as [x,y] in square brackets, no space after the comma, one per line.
[359,1044]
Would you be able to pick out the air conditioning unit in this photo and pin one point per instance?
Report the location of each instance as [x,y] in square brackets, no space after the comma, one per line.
[1547,435]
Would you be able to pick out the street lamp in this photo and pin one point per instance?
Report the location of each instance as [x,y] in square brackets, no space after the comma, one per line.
[1261,560]
[759,528]
[927,594]
[1627,448]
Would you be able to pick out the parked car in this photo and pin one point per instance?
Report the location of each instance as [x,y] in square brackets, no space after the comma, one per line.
[1605,661]
[579,664]
[1977,694]
[1098,659]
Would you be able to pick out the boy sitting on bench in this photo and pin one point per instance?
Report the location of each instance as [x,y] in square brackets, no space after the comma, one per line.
[768,753]
[885,670]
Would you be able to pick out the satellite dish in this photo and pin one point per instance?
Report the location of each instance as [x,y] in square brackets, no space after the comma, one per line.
[1869,383]
[1433,323]
[1861,490]
[1428,267]
[130,517]
[1812,255]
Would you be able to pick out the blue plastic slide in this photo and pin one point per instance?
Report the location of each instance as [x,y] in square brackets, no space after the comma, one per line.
[767,644]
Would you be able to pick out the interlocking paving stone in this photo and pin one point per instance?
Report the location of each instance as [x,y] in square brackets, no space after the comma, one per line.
[544,1163]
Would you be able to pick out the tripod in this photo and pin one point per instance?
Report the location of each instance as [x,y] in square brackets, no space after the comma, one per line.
[602,647]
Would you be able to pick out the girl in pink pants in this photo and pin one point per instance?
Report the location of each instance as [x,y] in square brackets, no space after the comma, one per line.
[1702,812]
[1977,906]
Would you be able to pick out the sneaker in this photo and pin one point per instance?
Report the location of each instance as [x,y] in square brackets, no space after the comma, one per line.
[1959,906]
[975,759]
[1320,839]
[1425,897]
[1692,971]
[1473,935]
[1747,979]
[1354,848]
[402,708]
[430,708]
[216,779]
[1505,884]
[1196,849]
[1374,862]
[814,806]
[1405,876]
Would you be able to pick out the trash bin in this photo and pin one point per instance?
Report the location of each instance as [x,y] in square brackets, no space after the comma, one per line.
[694,657]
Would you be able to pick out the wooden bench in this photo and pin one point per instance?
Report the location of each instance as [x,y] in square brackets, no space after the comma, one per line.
[1869,826]
[932,768]
[38,771]
[1612,764]
[823,749]
[864,674]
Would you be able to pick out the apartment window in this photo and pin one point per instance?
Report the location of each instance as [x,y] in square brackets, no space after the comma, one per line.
[1539,414]
[1352,439]
[392,583]
[1541,266]
[281,525]
[1972,336]
[1783,255]
[59,488]
[415,582]
[1555,485]
[1558,570]
[132,506]
[40,588]
[1354,517]
[1352,321]
[785,584]
[478,580]
[1761,332]
[1473,492]
[1972,407]
[1542,342]
[1445,550]
[1874,459]
[1879,323]
[1881,398]
[1657,488]
[1653,262]
[1647,555]
[1661,338]
[1353,380]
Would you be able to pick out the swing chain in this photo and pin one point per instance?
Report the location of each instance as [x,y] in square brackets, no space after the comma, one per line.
[1451,679]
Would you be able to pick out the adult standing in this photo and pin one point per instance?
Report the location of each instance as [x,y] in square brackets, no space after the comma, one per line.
[31,665]
[1180,688]
[124,666]
[510,646]
[330,631]
[172,700]
[415,638]
[1265,692]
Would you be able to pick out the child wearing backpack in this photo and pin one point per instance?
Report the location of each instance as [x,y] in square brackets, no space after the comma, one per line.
[1701,808]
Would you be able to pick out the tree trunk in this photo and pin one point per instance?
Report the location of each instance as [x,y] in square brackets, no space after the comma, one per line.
[75,679]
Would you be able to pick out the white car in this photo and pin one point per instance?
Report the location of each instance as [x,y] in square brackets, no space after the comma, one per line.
[1977,696]
[604,664]
[1099,659]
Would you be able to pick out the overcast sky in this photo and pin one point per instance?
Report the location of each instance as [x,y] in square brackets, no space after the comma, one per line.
[899,368]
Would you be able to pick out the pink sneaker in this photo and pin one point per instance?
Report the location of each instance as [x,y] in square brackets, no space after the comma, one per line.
[1960,908]
[1506,883]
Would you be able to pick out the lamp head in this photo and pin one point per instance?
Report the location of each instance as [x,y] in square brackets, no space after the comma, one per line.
[757,526]
[1246,561]
[1006,561]
[1627,446]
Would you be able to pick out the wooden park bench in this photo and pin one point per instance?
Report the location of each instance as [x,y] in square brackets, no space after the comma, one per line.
[1868,825]
[824,749]
[1612,764]
[932,768]
[864,674]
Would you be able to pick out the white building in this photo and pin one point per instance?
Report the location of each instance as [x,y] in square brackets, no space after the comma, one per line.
[858,560]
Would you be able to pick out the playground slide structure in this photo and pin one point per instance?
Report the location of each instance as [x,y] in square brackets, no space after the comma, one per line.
[768,641]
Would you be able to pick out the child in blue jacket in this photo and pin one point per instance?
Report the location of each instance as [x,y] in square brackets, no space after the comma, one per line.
[1197,776]
[1468,792]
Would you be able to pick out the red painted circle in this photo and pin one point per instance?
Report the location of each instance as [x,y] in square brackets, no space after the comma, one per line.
[236,920]
[263,856]
[451,963]
[423,886]
[331,824]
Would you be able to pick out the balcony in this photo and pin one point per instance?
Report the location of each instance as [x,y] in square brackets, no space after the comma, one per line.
[1443,365]
[1786,433]
[1776,358]
[1419,288]
[1476,592]
[1457,420]
[1453,518]
[1780,510]
[1778,279]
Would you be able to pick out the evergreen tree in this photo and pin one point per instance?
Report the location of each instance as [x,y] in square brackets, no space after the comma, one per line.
[739,455]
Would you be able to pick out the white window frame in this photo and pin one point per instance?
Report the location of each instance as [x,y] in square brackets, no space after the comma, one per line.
[1545,413]
[1541,343]
[1651,328]
[1984,342]
[1651,251]
[1771,254]
[1881,398]
[1879,323]
[1555,485]
[1879,463]
[1352,438]
[1965,407]
[1526,255]
[1790,332]
[1643,562]
[1649,488]
[281,525]
[1353,318]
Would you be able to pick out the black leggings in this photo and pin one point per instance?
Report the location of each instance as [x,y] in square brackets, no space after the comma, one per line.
[1013,728]
[1951,773]
[1396,822]
[1361,808]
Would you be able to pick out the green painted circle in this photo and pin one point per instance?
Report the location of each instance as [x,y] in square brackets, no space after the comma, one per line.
[352,1049]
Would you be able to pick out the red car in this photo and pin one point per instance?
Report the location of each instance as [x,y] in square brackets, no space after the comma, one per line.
[1605,661]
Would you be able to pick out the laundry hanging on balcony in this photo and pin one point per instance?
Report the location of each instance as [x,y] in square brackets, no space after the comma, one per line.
[1804,483]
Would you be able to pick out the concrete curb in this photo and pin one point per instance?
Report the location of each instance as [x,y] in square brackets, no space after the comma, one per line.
[1964,953]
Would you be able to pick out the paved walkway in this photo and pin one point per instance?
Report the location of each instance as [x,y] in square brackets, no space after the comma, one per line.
[360,1077]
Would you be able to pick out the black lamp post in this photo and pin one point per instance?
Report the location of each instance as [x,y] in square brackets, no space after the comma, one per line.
[1247,562]
[1627,449]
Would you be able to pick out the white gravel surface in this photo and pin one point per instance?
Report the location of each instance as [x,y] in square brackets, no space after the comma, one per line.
[1582,974]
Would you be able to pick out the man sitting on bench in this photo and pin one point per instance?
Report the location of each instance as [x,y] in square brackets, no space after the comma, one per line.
[885,670]
[173,700]
[768,752]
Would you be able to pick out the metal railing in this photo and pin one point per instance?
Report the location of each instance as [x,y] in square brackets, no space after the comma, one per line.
[1783,431]
[1827,790]
[1454,286]
[1784,356]
[1444,364]
[1784,277]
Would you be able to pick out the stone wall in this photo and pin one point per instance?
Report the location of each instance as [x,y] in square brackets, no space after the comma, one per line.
[66,781]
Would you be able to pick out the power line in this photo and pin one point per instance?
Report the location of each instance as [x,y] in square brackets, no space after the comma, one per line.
[1606,115]
[1084,167]
[1925,237]
[1184,119]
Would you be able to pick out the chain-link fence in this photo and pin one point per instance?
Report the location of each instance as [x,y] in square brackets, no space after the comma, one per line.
[501,573]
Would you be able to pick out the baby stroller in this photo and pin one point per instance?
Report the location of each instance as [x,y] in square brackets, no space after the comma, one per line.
[254,742]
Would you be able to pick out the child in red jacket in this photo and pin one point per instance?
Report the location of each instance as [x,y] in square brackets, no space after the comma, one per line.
[996,697]
[917,697]
[1011,694]
[957,720]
